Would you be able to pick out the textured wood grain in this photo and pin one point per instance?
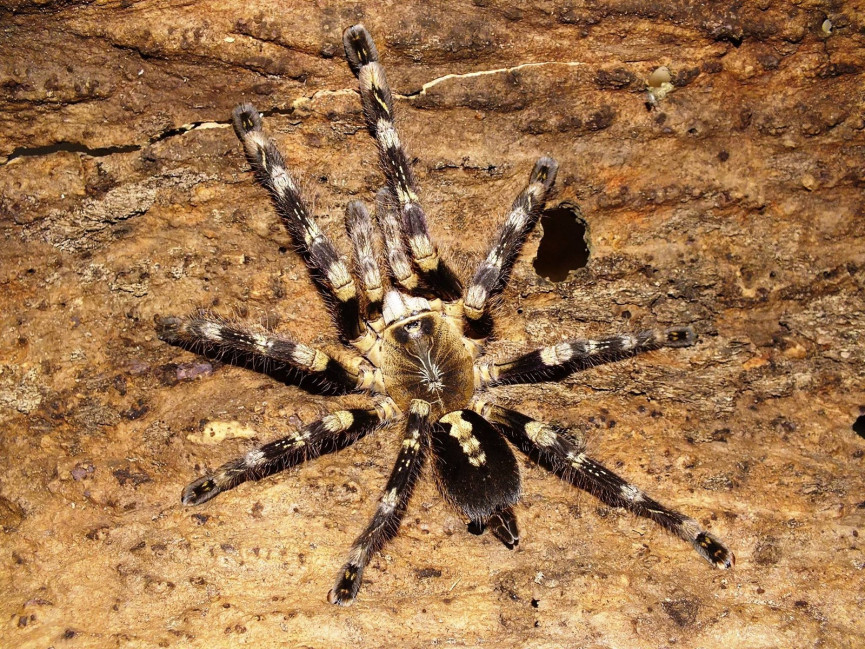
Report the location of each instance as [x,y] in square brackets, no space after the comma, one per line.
[735,206]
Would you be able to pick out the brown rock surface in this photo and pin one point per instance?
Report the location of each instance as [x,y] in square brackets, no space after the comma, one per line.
[735,204]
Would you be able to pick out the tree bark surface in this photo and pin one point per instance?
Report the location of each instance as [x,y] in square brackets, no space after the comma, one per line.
[734,204]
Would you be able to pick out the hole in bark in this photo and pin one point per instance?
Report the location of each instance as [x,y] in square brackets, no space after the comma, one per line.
[563,247]
[859,426]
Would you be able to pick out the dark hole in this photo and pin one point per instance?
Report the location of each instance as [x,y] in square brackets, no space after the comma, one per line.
[859,426]
[536,602]
[563,247]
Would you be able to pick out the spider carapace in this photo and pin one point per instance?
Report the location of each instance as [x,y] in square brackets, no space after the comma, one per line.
[418,337]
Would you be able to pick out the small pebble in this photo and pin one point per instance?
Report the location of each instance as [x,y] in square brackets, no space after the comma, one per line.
[659,77]
[809,182]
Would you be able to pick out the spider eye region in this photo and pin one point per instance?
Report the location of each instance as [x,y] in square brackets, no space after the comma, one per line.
[415,329]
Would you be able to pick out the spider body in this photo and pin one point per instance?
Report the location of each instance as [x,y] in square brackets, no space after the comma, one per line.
[424,357]
[420,352]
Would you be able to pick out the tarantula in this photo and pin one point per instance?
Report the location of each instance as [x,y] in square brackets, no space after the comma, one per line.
[420,346]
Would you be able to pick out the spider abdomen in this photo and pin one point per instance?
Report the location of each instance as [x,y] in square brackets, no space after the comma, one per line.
[475,467]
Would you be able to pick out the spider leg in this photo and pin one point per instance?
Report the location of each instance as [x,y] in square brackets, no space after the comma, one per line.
[493,273]
[555,362]
[362,56]
[564,453]
[360,231]
[335,431]
[398,263]
[328,267]
[386,520]
[332,374]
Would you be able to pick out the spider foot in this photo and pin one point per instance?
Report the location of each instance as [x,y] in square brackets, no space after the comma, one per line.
[345,590]
[713,551]
[679,337]
[245,119]
[226,477]
[200,491]
[359,48]
[544,172]
[168,329]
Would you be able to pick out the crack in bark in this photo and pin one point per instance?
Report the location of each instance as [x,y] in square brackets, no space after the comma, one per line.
[101,152]
[481,73]
[69,147]
[98,152]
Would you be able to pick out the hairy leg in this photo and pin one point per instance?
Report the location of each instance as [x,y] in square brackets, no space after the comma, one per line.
[334,431]
[564,453]
[494,271]
[328,267]
[377,100]
[387,215]
[555,362]
[360,230]
[209,332]
[388,515]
